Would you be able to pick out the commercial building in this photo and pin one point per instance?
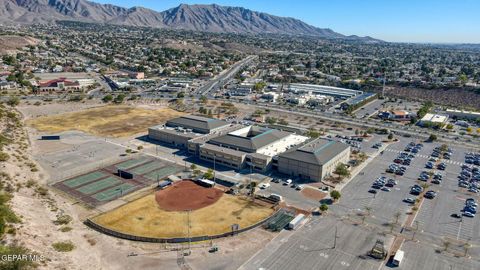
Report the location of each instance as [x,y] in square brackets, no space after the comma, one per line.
[58,85]
[323,90]
[179,131]
[359,100]
[241,90]
[433,119]
[458,114]
[314,160]
[398,115]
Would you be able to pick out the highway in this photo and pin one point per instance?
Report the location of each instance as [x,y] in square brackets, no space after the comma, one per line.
[223,78]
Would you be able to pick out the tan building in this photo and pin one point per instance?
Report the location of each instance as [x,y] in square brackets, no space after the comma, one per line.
[314,160]
[179,131]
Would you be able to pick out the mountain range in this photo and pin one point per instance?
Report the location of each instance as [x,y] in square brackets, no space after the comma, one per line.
[208,18]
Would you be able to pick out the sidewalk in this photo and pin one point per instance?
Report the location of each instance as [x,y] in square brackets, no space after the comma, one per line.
[358,169]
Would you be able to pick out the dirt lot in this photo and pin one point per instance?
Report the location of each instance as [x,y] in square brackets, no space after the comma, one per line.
[186,195]
[107,121]
[144,217]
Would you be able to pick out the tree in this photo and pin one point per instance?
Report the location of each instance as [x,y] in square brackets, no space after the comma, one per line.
[335,194]
[432,137]
[449,127]
[180,95]
[203,99]
[312,133]
[13,101]
[119,98]
[107,98]
[193,167]
[271,120]
[446,244]
[469,130]
[342,170]
[324,207]
[208,174]
[390,136]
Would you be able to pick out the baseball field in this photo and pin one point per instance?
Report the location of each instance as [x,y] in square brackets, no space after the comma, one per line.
[107,121]
[146,217]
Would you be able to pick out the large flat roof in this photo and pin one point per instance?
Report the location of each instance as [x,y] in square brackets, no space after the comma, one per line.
[319,151]
[250,139]
[197,123]
[434,118]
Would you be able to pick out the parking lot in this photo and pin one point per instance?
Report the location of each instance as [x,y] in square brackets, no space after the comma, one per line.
[313,246]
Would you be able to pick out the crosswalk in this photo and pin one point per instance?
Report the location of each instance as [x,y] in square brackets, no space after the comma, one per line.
[454,162]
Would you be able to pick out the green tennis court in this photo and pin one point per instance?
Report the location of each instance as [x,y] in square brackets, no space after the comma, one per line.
[80,180]
[147,167]
[161,173]
[131,163]
[113,192]
[99,185]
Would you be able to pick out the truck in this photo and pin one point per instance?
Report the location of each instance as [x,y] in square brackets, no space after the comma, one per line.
[296,221]
[397,259]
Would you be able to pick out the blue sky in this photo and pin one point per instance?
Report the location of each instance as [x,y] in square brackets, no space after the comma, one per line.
[438,21]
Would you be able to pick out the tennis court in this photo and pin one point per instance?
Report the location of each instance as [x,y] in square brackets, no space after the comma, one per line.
[147,168]
[99,185]
[132,163]
[103,185]
[113,192]
[83,179]
[161,173]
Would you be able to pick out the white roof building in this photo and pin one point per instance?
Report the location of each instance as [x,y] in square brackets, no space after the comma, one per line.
[434,119]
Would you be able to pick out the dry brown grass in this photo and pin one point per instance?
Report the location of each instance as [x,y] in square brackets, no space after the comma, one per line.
[143,217]
[107,121]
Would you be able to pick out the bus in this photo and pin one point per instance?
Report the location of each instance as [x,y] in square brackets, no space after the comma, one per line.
[397,259]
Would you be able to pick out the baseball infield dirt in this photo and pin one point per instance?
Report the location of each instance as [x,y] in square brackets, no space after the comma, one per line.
[186,195]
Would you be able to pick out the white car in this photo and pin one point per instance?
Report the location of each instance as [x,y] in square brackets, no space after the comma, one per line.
[468,214]
[264,185]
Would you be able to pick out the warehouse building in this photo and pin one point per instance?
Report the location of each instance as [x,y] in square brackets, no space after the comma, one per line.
[323,90]
[314,160]
[179,131]
[458,114]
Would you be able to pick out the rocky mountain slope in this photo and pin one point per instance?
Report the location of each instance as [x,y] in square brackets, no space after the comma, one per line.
[209,18]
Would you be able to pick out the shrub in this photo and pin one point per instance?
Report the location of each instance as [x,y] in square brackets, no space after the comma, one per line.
[63,220]
[63,246]
[4,156]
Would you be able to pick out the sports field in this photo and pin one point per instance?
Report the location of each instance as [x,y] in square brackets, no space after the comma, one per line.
[107,121]
[144,217]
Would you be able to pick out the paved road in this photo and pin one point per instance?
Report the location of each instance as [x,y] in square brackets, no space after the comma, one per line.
[220,80]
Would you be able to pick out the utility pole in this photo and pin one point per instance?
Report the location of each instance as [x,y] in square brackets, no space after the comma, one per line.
[214,169]
[383,88]
[189,239]
[335,239]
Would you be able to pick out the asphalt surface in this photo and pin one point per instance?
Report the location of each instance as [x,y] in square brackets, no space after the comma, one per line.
[313,246]
[361,218]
